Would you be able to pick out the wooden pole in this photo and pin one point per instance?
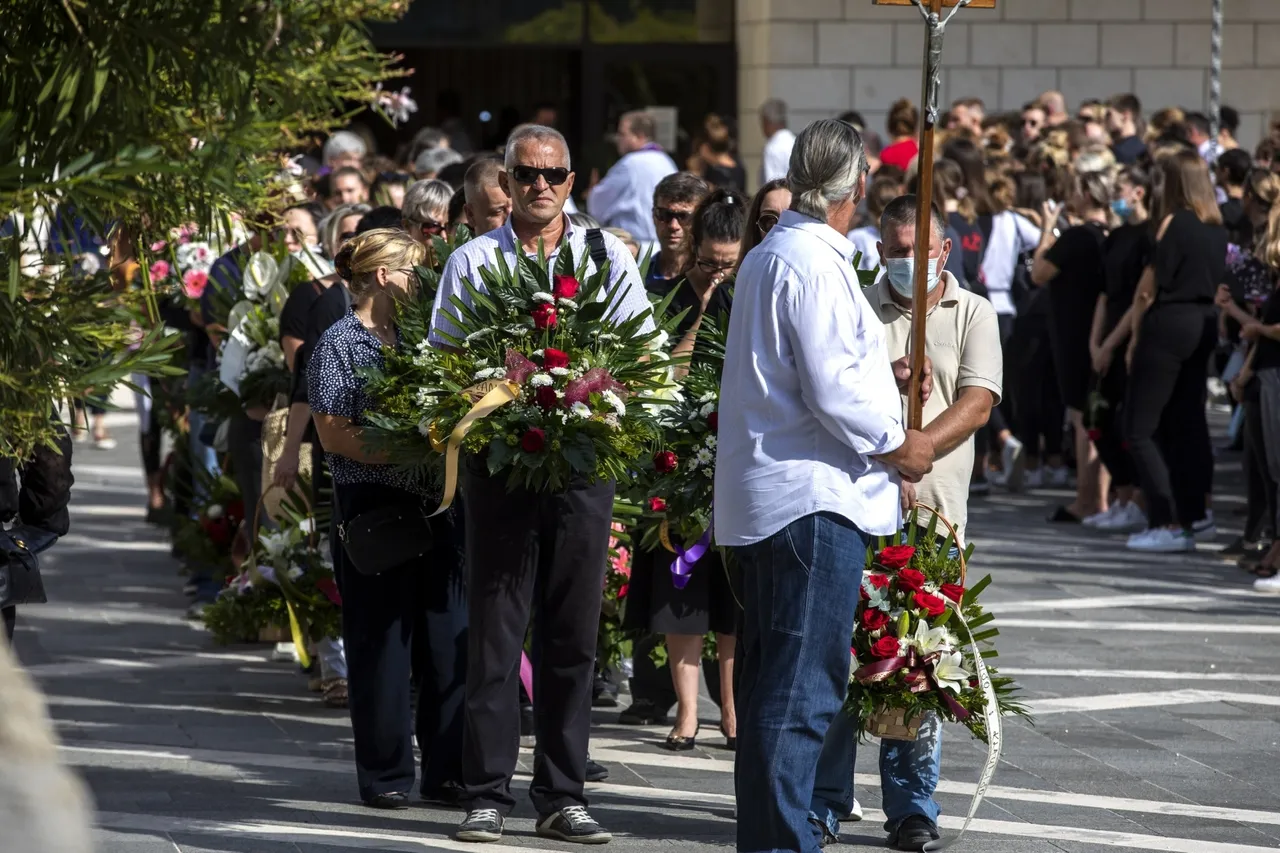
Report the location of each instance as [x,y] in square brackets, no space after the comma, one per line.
[924,227]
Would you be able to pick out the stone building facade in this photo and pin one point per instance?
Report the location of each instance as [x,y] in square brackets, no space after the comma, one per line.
[825,56]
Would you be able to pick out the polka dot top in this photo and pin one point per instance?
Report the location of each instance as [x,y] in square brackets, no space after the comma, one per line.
[334,388]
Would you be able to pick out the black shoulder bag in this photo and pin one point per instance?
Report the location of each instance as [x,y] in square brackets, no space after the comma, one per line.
[596,248]
[20,567]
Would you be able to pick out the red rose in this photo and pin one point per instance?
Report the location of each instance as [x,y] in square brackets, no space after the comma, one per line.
[664,462]
[873,619]
[885,647]
[533,440]
[878,581]
[862,594]
[622,591]
[910,580]
[565,287]
[554,358]
[657,505]
[895,556]
[953,591]
[546,398]
[1094,433]
[713,421]
[930,604]
[974,682]
[544,316]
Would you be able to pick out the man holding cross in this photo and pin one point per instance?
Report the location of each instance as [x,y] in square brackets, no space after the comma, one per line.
[963,349]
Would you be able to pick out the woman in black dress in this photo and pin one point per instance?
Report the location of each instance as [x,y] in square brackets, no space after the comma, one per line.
[1070,265]
[707,602]
[1175,331]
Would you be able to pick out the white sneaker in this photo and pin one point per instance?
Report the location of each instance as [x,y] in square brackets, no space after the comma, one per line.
[1058,477]
[1033,479]
[1206,529]
[855,813]
[1097,519]
[1126,518]
[1012,464]
[1162,540]
[1271,585]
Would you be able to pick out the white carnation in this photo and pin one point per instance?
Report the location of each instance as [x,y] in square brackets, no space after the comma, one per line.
[543,296]
[559,371]
[567,303]
[538,380]
[707,409]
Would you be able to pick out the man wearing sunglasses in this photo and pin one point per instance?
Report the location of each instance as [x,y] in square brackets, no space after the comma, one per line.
[674,201]
[536,554]
[623,198]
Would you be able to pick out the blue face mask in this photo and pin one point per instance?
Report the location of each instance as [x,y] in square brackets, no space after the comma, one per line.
[1121,207]
[902,275]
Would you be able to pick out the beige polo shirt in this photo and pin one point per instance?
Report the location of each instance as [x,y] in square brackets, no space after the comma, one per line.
[962,339]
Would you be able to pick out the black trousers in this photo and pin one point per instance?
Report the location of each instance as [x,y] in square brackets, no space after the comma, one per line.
[1164,412]
[545,555]
[1035,388]
[244,444]
[1111,444]
[409,622]
[1261,488]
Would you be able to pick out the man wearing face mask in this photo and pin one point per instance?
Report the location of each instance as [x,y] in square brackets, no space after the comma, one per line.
[962,339]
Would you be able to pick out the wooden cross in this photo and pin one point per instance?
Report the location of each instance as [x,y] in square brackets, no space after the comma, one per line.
[936,28]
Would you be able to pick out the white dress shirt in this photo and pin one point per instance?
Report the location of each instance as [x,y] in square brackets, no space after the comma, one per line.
[624,198]
[777,156]
[807,397]
[864,240]
[1011,235]
[467,259]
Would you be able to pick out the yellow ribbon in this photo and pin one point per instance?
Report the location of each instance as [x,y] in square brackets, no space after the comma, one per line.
[664,536]
[487,398]
[295,629]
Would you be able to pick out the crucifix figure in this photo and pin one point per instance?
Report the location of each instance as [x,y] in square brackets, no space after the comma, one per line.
[931,11]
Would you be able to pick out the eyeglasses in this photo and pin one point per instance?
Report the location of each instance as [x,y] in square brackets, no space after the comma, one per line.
[711,267]
[766,221]
[554,176]
[430,226]
[346,235]
[666,214]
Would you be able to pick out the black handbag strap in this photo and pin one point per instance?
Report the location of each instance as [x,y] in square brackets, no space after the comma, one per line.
[595,246]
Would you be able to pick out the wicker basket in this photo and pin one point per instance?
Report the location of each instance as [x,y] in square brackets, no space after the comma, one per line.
[273,634]
[892,724]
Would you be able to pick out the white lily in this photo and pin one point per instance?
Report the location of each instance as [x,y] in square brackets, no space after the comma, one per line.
[927,640]
[949,672]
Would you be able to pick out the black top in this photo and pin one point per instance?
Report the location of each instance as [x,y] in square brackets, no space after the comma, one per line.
[1191,261]
[971,244]
[1129,149]
[1073,293]
[41,499]
[1268,356]
[1125,254]
[727,177]
[721,300]
[328,309]
[1239,228]
[297,309]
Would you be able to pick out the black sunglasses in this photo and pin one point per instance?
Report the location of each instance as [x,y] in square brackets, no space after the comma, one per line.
[346,235]
[666,214]
[554,176]
[711,267]
[766,221]
[430,226]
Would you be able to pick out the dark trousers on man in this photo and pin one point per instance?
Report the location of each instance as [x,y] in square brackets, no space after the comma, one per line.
[1164,412]
[408,620]
[543,554]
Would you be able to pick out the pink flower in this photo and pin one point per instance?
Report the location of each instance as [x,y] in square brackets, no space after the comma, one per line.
[159,271]
[193,283]
[158,246]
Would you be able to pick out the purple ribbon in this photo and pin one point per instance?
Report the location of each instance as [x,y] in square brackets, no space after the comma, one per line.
[682,567]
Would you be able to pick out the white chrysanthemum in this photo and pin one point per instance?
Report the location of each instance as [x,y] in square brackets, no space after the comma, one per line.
[704,456]
[581,409]
[615,402]
[543,296]
[711,441]
[489,373]
[424,428]
[481,362]
[567,303]
[479,334]
[560,371]
[707,409]
[518,331]
[539,380]
[708,397]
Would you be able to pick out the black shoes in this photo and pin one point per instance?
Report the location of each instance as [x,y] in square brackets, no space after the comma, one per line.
[642,712]
[604,693]
[572,823]
[914,833]
[730,741]
[824,835]
[596,772]
[447,796]
[481,825]
[680,743]
[393,801]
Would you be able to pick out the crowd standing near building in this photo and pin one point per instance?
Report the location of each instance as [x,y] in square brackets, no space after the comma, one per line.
[1098,282]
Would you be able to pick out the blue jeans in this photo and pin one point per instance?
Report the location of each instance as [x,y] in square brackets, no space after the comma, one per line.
[908,775]
[801,591]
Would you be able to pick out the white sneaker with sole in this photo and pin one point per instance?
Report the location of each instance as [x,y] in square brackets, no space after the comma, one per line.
[1127,518]
[1162,540]
[855,813]
[1206,529]
[1098,518]
[1271,585]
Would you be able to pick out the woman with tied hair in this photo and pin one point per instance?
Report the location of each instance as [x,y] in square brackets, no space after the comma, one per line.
[1070,265]
[1175,330]
[413,610]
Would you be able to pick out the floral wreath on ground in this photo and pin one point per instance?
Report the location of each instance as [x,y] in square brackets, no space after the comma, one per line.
[577,379]
[911,650]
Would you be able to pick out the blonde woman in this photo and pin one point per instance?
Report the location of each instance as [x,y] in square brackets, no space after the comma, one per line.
[417,608]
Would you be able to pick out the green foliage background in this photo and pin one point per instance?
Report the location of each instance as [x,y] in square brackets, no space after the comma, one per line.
[146,114]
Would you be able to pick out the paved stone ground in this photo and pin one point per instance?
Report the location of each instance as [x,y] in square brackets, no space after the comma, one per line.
[1154,679]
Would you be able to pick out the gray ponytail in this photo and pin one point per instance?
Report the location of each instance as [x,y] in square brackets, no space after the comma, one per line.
[827,163]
